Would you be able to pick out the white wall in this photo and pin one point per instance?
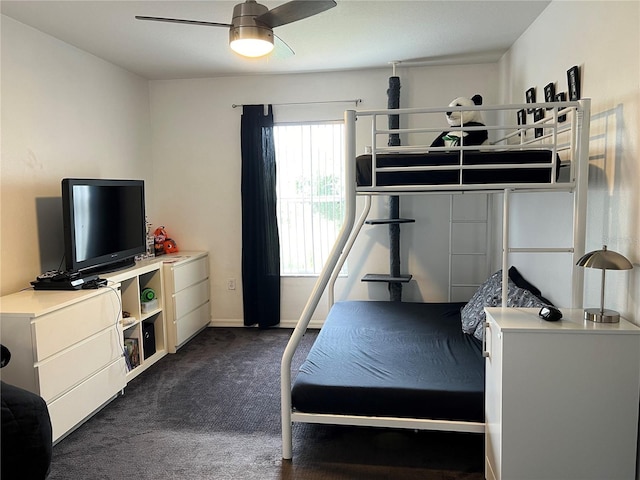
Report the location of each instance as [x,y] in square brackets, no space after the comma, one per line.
[65,113]
[196,151]
[602,39]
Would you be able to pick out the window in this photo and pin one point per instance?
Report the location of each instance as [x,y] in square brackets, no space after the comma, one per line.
[310,193]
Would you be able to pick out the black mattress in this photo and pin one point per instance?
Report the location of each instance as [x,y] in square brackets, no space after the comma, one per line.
[393,359]
[452,177]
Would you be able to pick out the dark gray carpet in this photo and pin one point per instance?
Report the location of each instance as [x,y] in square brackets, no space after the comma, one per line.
[212,411]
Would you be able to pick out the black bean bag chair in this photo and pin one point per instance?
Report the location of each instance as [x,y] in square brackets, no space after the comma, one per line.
[26,437]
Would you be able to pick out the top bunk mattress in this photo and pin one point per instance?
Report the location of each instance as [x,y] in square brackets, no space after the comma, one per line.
[505,174]
[393,359]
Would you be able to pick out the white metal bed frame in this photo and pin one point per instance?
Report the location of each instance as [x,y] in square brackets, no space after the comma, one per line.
[576,128]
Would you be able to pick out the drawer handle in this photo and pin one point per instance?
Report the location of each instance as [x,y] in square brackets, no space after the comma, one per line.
[485,351]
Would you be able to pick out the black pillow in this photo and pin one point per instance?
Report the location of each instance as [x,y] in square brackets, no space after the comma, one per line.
[517,278]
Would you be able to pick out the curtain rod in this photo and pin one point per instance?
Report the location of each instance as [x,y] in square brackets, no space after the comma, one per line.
[356,101]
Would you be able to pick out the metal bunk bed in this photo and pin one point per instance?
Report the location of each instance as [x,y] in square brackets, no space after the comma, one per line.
[563,132]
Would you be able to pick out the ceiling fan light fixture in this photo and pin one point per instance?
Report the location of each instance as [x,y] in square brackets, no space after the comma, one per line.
[251,28]
[251,41]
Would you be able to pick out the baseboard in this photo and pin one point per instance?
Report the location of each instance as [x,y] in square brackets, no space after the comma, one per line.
[293,323]
[238,322]
[224,322]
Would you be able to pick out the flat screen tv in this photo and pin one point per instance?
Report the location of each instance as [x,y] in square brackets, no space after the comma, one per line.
[104,224]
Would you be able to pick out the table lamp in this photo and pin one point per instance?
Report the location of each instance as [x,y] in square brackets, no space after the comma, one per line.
[604,260]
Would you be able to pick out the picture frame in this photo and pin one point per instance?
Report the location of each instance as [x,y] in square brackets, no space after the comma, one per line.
[530,95]
[549,93]
[538,114]
[522,120]
[573,82]
[561,97]
[133,352]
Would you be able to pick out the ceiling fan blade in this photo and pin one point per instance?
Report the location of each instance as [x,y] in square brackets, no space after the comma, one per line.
[281,48]
[179,20]
[293,11]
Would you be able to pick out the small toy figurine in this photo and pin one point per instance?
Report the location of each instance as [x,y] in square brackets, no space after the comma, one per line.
[160,236]
[164,244]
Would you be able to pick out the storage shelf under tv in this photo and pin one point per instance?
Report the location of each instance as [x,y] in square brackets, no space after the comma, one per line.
[133,281]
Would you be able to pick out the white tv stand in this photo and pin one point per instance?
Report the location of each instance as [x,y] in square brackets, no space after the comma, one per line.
[68,346]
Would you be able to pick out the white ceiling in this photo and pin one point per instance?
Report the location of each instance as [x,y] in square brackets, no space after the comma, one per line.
[355,34]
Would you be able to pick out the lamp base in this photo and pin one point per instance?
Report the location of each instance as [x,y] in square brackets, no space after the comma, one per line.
[601,316]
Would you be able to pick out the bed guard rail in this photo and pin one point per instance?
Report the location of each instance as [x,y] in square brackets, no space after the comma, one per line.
[558,131]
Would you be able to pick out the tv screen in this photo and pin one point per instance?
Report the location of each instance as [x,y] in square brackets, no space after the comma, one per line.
[104,223]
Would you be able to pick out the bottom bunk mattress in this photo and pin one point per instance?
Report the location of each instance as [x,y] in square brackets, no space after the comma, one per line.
[393,359]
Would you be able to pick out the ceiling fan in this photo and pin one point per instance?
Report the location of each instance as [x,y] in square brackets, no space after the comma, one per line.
[251,28]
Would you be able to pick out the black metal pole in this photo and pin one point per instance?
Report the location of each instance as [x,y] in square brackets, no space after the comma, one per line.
[393,102]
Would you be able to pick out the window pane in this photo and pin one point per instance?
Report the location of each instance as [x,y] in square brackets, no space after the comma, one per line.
[310,194]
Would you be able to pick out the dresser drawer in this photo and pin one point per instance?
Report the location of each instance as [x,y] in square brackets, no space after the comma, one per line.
[192,323]
[60,373]
[58,330]
[78,404]
[190,273]
[191,298]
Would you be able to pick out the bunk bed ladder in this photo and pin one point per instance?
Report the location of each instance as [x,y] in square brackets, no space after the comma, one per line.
[579,175]
[481,220]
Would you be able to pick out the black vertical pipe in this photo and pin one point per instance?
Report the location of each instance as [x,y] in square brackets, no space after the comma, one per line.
[393,102]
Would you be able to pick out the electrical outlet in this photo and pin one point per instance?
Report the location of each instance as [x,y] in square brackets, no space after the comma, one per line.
[231,284]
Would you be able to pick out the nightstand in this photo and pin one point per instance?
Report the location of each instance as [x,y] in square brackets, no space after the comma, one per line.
[561,398]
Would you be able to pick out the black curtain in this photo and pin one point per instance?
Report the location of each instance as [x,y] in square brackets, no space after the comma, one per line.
[260,241]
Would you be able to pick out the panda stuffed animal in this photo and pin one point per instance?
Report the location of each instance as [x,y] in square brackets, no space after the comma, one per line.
[466,119]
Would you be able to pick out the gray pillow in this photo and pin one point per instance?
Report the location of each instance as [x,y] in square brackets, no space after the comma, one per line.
[488,295]
[516,297]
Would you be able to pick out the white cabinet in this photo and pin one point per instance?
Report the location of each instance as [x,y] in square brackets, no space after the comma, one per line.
[187,293]
[78,349]
[65,346]
[561,397]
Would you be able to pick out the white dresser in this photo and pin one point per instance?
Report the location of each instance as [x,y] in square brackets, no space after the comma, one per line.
[187,293]
[65,346]
[561,397]
[72,347]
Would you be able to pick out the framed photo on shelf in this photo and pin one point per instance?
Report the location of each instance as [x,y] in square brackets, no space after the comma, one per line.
[530,95]
[561,97]
[538,114]
[549,93]
[573,81]
[133,352]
